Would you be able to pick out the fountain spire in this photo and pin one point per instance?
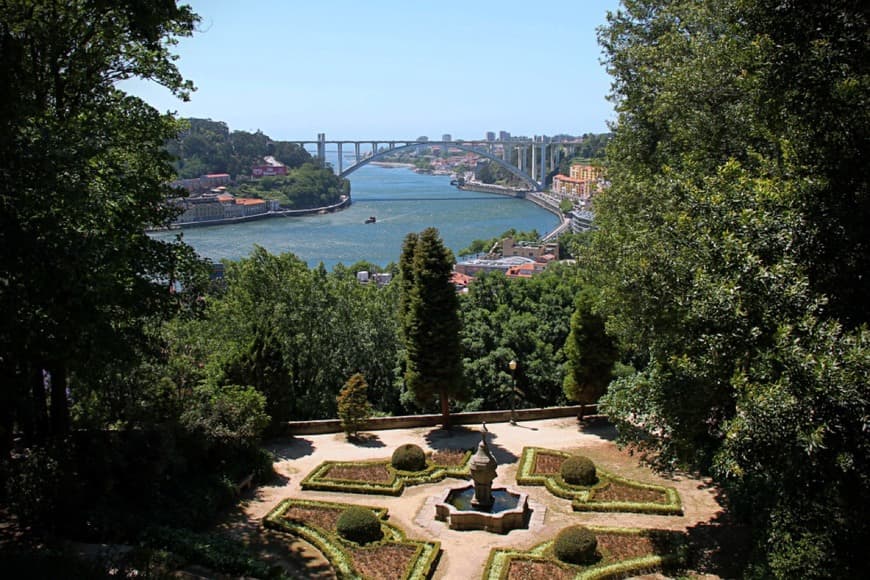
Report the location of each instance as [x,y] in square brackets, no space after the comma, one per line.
[483,472]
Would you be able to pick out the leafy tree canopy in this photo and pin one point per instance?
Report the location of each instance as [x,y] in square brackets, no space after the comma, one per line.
[84,175]
[732,254]
[526,320]
[296,334]
[304,187]
[207,146]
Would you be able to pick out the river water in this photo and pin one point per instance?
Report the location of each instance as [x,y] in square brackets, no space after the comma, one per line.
[402,201]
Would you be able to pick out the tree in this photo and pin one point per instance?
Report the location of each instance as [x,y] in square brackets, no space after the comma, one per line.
[84,175]
[430,321]
[526,320]
[206,146]
[353,405]
[230,413]
[485,173]
[590,352]
[733,265]
[296,334]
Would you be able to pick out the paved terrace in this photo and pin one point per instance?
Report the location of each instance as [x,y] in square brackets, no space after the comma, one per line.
[465,552]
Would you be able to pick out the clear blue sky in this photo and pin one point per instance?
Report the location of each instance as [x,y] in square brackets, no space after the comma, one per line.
[383,69]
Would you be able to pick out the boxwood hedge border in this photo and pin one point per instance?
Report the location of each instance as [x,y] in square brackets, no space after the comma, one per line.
[318,479]
[583,497]
[336,549]
[498,563]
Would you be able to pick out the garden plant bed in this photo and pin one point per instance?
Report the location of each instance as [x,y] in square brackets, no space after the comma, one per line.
[379,477]
[621,552]
[393,557]
[611,493]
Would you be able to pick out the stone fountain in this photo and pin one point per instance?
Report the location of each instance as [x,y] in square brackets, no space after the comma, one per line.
[479,506]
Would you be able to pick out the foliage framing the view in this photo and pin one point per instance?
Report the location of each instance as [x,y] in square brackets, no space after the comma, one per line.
[732,250]
[84,175]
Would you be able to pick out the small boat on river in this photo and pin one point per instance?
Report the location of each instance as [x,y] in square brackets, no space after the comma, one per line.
[372,219]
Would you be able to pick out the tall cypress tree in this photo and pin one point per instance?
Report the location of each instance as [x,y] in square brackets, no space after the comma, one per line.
[591,354]
[407,279]
[430,321]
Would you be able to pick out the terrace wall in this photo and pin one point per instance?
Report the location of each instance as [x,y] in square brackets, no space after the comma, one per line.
[408,421]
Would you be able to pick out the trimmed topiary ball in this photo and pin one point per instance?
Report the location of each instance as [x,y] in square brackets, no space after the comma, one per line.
[579,470]
[360,525]
[576,545]
[409,457]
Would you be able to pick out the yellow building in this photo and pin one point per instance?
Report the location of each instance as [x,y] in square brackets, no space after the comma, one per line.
[586,172]
[581,184]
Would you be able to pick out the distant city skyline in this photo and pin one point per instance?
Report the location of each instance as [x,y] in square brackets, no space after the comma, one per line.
[395,70]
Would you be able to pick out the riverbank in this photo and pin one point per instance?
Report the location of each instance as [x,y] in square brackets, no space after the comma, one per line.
[393,164]
[492,188]
[265,215]
[550,204]
[540,199]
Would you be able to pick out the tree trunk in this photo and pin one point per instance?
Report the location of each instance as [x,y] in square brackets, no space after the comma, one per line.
[9,393]
[445,409]
[38,411]
[59,402]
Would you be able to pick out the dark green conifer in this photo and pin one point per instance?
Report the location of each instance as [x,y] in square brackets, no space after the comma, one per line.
[591,354]
[353,405]
[430,321]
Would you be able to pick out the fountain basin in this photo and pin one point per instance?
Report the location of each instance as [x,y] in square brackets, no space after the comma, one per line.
[508,512]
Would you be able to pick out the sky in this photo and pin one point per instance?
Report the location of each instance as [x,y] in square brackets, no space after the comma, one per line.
[390,69]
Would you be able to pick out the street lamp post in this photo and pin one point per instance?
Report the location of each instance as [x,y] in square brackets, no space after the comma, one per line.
[513,367]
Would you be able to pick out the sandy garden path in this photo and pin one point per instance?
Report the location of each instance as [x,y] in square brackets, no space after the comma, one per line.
[465,552]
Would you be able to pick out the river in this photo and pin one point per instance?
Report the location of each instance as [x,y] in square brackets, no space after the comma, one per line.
[402,201]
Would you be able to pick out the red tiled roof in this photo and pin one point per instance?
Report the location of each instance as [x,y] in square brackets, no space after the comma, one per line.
[460,279]
[561,177]
[522,271]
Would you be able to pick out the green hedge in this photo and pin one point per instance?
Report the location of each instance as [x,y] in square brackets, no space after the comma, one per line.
[583,497]
[319,480]
[337,549]
[498,564]
[408,457]
[360,525]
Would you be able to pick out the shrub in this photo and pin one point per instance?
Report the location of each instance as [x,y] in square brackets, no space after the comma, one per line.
[353,405]
[578,470]
[575,545]
[41,488]
[219,552]
[359,525]
[409,457]
[227,413]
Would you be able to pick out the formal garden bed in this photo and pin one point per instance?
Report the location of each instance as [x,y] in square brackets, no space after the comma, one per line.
[380,477]
[389,558]
[620,552]
[610,493]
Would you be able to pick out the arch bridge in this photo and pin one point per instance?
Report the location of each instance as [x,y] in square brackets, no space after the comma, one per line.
[532,156]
